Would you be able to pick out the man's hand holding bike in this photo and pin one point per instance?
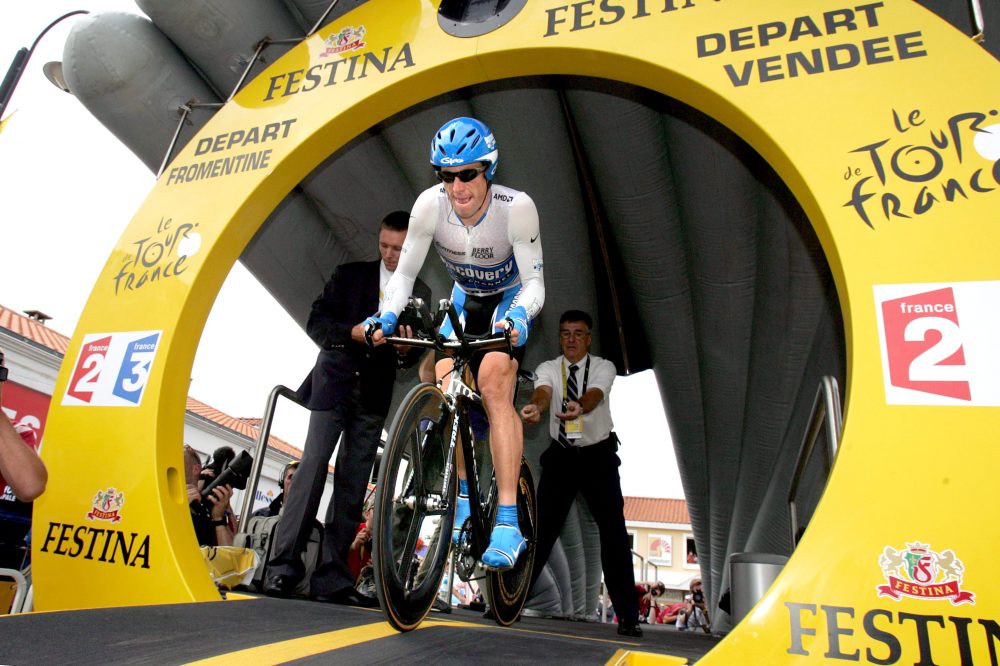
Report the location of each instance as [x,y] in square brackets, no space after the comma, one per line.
[374,330]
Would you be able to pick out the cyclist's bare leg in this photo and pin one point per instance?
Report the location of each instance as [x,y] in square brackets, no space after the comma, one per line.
[497,378]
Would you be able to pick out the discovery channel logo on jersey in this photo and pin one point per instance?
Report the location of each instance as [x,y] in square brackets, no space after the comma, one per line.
[112,369]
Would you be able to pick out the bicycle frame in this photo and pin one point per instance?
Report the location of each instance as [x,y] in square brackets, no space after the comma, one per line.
[409,494]
[457,392]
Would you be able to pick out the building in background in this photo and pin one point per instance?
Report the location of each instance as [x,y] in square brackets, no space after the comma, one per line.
[662,543]
[34,353]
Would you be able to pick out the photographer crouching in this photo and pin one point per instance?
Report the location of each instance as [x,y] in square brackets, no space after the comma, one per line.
[210,489]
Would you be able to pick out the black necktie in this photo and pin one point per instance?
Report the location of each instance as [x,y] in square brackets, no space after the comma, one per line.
[570,395]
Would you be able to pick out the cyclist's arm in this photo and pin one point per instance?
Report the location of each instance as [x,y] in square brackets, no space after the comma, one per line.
[411,260]
[523,232]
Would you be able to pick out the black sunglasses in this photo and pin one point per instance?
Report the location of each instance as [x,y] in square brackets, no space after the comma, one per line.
[465,175]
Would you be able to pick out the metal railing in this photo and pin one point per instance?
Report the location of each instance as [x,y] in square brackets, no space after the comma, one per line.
[21,590]
[186,108]
[977,16]
[826,411]
[261,447]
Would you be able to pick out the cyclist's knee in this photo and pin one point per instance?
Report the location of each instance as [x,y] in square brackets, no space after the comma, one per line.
[497,377]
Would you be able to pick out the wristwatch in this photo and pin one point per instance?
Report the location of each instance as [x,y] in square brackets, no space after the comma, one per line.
[221,522]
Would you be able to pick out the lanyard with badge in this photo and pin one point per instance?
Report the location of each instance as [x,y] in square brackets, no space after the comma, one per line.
[574,427]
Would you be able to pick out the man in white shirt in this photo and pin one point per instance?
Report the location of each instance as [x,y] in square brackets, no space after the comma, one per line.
[582,458]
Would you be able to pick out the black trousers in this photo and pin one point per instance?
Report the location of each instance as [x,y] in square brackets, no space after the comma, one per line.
[362,430]
[591,471]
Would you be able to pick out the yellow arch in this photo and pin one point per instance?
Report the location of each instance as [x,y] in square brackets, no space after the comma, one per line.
[748,67]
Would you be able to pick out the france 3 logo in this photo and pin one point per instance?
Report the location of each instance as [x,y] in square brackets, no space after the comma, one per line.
[939,343]
[113,369]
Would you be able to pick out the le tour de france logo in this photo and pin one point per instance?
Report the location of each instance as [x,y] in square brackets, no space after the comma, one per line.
[923,163]
[158,256]
[918,572]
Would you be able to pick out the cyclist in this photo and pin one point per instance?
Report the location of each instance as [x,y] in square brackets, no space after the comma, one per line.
[487,235]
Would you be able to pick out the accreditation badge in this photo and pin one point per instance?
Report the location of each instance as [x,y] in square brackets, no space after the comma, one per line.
[574,428]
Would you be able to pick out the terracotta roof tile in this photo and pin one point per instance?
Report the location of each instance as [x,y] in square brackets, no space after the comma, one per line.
[245,426]
[32,330]
[57,342]
[656,510]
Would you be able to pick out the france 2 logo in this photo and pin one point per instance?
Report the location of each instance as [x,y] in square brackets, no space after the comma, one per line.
[939,343]
[112,369]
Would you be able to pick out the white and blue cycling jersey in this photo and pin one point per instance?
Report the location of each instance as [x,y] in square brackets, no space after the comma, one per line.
[501,253]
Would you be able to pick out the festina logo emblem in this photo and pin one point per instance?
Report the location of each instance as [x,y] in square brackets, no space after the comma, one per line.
[107,505]
[921,573]
[348,39]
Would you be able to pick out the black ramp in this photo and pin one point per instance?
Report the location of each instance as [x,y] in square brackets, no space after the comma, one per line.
[246,631]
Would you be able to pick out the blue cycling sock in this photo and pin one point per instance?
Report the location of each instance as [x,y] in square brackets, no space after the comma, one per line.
[462,509]
[507,514]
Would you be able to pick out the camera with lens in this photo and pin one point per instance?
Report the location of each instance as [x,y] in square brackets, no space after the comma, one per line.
[235,471]
[220,459]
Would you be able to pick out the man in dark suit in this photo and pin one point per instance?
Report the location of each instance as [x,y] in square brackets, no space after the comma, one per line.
[348,391]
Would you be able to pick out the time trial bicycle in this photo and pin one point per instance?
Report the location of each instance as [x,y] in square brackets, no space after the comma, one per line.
[416,492]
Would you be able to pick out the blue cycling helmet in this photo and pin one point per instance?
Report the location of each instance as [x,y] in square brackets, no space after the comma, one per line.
[465,141]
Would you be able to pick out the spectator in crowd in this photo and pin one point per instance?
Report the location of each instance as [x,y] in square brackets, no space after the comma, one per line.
[274,508]
[649,600]
[360,554]
[20,467]
[348,391]
[211,524]
[671,613]
[582,458]
[695,611]
[22,479]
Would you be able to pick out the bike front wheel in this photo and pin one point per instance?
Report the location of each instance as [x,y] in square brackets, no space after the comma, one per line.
[414,509]
[508,590]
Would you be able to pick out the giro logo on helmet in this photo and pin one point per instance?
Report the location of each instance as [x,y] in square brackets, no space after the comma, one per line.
[465,141]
